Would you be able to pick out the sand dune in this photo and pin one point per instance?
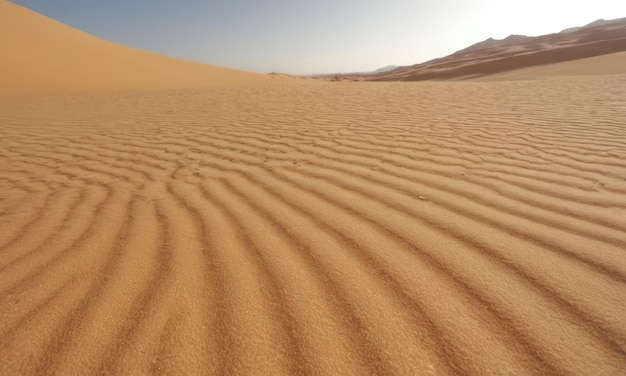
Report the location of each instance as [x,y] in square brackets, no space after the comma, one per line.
[517,52]
[300,226]
[324,228]
[611,64]
[40,54]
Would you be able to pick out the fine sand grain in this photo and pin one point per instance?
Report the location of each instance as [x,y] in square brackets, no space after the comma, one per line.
[322,228]
[282,226]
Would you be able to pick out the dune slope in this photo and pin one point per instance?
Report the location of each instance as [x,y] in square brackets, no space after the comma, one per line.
[40,54]
[516,52]
[611,64]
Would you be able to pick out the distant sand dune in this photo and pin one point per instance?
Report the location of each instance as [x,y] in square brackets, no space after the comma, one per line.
[581,51]
[534,59]
[40,54]
[325,228]
[606,64]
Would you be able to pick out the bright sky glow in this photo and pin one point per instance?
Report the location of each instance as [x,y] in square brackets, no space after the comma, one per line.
[318,36]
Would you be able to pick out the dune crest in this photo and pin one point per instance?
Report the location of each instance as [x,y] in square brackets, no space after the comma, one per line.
[41,54]
[516,52]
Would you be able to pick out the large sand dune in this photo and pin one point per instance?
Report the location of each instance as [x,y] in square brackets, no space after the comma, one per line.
[518,52]
[40,54]
[611,64]
[310,227]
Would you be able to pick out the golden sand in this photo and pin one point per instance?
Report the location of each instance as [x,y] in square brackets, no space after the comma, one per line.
[308,227]
[40,54]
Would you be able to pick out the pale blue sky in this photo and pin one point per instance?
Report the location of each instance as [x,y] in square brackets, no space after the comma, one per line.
[317,36]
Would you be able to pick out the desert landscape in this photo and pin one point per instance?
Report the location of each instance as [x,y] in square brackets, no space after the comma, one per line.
[596,48]
[165,217]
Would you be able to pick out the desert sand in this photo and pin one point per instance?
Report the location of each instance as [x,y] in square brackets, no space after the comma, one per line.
[42,55]
[241,225]
[609,64]
[588,46]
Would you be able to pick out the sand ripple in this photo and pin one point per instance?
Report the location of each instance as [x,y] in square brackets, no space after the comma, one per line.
[316,228]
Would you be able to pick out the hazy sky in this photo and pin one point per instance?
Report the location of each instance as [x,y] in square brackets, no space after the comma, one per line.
[318,36]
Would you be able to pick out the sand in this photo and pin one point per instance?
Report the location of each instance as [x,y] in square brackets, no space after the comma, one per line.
[292,226]
[42,55]
[611,64]
[589,46]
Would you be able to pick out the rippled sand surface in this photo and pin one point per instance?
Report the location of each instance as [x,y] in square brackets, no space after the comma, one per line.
[302,227]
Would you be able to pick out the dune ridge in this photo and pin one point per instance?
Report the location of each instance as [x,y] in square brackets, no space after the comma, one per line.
[316,228]
[41,54]
[530,55]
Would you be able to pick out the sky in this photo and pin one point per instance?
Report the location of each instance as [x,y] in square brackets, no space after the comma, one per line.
[318,36]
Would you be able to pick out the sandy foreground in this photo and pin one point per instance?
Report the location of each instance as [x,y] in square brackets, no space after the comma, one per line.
[290,226]
[305,227]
